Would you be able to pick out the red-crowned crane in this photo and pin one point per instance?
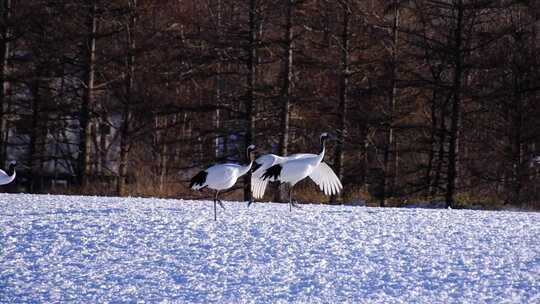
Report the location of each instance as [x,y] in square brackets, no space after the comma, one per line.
[293,169]
[221,177]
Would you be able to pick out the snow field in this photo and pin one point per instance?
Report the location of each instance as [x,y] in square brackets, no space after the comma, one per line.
[119,250]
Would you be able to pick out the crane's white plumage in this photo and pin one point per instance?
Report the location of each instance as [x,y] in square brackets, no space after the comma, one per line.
[9,176]
[295,168]
[326,179]
[258,184]
[221,177]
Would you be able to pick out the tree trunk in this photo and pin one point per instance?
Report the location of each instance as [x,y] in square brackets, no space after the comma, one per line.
[432,146]
[343,90]
[287,83]
[517,128]
[286,91]
[4,83]
[34,151]
[365,160]
[441,154]
[124,149]
[250,98]
[103,132]
[126,115]
[453,150]
[387,163]
[163,161]
[85,136]
[219,85]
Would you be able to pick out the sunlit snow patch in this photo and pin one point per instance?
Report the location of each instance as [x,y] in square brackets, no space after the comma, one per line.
[96,250]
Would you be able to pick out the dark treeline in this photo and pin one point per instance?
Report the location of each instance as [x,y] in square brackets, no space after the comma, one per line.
[435,100]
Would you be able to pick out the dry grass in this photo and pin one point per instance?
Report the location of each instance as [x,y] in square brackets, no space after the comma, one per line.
[306,191]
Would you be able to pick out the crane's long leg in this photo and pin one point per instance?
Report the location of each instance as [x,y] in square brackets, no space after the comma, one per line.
[215,211]
[290,199]
[219,201]
[292,202]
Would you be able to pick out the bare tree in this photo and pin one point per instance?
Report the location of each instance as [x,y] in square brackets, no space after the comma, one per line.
[344,71]
[5,48]
[85,135]
[129,88]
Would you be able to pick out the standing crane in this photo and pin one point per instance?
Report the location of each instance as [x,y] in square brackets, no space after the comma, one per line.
[221,177]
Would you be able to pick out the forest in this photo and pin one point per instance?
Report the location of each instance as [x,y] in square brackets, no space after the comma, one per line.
[431,100]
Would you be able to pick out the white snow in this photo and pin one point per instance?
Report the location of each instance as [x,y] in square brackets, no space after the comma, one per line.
[97,249]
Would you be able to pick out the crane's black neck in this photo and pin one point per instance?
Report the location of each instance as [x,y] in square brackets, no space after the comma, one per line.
[250,157]
[11,169]
[323,142]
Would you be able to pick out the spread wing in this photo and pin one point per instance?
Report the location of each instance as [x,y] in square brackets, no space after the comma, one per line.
[258,185]
[326,179]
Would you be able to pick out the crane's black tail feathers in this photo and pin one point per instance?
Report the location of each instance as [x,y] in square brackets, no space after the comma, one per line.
[273,173]
[199,179]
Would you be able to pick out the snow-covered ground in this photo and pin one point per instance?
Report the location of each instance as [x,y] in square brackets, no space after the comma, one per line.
[59,249]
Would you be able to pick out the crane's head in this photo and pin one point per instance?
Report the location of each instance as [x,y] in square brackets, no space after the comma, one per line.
[325,136]
[249,152]
[329,136]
